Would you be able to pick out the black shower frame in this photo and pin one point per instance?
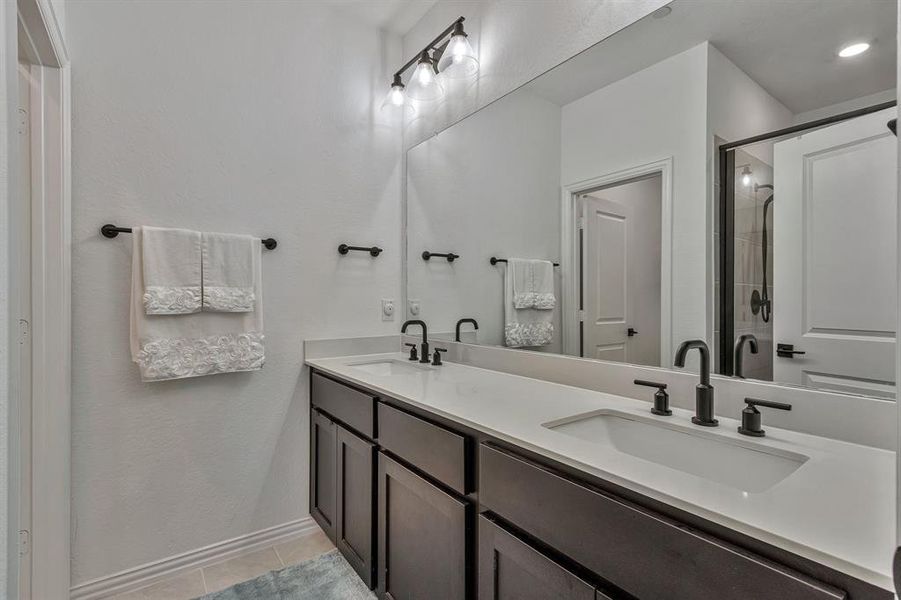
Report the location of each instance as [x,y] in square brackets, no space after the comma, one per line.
[727,219]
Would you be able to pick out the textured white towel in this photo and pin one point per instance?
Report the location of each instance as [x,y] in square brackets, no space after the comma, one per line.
[171,270]
[228,272]
[533,283]
[527,327]
[205,343]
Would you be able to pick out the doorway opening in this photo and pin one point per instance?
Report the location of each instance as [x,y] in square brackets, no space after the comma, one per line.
[620,270]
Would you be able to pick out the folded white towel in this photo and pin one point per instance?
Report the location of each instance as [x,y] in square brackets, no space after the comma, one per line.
[228,272]
[204,343]
[527,327]
[533,283]
[171,271]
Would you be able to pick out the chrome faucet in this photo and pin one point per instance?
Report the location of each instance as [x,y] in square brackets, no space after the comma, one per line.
[424,347]
[704,392]
[738,353]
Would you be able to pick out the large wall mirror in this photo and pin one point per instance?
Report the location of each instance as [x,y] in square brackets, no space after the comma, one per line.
[721,171]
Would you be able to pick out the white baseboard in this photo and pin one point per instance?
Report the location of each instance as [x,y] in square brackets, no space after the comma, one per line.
[138,577]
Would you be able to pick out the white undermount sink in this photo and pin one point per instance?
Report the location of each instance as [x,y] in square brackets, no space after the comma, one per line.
[386,368]
[747,466]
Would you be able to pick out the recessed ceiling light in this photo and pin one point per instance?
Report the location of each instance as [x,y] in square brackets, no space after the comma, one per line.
[853,49]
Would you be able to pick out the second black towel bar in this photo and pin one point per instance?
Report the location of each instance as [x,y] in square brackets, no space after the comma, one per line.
[112,231]
[449,256]
[494,260]
[373,250]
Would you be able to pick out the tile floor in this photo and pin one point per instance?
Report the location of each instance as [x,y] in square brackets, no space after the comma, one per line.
[213,578]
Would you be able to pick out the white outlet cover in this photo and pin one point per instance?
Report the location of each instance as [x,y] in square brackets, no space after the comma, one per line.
[414,307]
[387,309]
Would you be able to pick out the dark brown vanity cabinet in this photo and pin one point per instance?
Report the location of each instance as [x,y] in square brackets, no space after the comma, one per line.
[423,534]
[511,569]
[341,491]
[323,473]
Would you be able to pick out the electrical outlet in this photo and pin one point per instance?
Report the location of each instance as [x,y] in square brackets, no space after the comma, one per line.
[413,308]
[387,309]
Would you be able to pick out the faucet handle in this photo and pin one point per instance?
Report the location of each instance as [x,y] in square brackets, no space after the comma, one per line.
[413,354]
[661,398]
[750,416]
[436,358]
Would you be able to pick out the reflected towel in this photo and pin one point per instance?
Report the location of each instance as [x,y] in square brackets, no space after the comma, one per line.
[527,327]
[228,273]
[171,271]
[533,283]
[203,343]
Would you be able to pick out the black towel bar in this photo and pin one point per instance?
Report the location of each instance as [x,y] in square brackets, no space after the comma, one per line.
[112,231]
[373,250]
[450,256]
[494,260]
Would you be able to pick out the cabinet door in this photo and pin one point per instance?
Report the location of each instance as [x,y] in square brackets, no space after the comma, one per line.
[422,538]
[356,467]
[323,489]
[510,569]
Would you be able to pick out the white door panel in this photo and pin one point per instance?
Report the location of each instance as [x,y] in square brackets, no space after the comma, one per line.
[835,256]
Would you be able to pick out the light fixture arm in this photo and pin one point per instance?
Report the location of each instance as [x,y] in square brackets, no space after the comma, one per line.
[435,45]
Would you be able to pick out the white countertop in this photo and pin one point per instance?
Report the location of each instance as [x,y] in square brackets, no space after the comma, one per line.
[837,509]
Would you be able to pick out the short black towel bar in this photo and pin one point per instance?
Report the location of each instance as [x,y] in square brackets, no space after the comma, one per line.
[112,231]
[374,250]
[494,260]
[450,256]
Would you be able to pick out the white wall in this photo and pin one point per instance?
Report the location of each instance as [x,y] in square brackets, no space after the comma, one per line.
[488,186]
[657,113]
[515,42]
[240,117]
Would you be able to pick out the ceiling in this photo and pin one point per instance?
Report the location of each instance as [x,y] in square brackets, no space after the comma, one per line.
[396,16]
[788,47]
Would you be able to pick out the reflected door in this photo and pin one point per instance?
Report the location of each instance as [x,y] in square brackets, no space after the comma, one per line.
[621,273]
[835,240]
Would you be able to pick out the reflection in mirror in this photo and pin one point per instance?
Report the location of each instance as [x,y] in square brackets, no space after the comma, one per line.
[717,171]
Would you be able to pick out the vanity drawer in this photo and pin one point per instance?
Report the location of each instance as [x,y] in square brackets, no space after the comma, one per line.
[347,404]
[646,554]
[433,449]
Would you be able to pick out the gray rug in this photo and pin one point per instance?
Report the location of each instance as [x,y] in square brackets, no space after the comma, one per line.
[327,577]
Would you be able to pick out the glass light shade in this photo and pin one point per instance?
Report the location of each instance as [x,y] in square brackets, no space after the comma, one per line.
[746,177]
[458,61]
[424,85]
[395,97]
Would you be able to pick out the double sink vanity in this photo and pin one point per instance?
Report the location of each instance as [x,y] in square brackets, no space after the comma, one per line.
[455,481]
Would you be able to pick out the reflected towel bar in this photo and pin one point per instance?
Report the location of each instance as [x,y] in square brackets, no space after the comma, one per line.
[111,231]
[494,260]
[373,250]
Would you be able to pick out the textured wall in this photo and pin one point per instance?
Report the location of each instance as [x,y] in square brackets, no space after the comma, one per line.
[515,42]
[221,116]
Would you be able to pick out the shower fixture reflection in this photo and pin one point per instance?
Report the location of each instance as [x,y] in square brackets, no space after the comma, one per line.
[760,301]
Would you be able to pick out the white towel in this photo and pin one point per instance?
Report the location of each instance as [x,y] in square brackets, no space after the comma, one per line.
[172,271]
[527,327]
[205,343]
[228,272]
[533,283]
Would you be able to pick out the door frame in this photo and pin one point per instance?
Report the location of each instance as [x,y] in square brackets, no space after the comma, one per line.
[570,250]
[46,538]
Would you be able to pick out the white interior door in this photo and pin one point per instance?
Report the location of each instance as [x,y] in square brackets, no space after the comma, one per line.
[835,267]
[621,272]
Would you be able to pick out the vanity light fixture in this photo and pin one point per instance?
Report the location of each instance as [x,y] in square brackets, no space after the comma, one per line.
[453,58]
[746,176]
[853,49]
[424,84]
[458,61]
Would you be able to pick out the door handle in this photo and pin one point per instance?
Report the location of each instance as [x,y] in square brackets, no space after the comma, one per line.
[630,332]
[787,350]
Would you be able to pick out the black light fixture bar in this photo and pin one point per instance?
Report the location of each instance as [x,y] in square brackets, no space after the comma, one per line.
[433,45]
